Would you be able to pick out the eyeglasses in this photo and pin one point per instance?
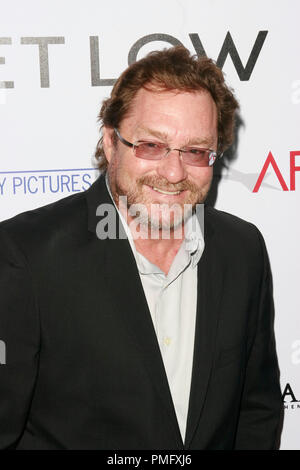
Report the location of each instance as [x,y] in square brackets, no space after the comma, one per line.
[149,150]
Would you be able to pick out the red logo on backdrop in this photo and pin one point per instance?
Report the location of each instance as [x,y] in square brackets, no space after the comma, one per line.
[271,161]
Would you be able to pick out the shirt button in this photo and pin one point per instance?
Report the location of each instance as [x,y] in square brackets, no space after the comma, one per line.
[167,341]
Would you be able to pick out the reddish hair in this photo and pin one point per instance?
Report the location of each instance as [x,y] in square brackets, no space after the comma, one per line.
[170,69]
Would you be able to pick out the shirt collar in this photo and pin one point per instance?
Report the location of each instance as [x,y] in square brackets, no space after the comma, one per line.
[194,241]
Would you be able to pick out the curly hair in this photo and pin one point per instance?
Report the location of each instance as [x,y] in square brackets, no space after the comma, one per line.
[170,69]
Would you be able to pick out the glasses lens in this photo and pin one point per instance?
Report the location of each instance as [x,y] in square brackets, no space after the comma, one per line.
[197,157]
[191,156]
[150,150]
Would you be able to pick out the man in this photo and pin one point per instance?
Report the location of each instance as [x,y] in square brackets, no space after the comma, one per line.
[129,322]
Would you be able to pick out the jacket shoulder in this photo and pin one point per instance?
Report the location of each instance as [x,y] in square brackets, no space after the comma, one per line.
[239,238]
[33,227]
[229,223]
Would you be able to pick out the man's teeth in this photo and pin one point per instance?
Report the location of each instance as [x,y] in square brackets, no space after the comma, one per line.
[166,192]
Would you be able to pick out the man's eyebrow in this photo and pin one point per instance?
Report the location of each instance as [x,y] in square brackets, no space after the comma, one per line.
[203,141]
[154,132]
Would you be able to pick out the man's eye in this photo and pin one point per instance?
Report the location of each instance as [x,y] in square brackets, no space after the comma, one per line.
[197,152]
[152,145]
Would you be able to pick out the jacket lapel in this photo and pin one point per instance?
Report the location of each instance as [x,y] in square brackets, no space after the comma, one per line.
[130,304]
[210,286]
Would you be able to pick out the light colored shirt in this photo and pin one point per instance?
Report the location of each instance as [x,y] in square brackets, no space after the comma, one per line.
[172,302]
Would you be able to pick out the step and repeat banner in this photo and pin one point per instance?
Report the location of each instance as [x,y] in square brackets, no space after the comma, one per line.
[59,60]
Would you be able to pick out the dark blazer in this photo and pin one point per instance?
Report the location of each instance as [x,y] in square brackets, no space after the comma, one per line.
[83,367]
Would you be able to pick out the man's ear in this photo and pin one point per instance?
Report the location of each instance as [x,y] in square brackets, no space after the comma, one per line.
[108,142]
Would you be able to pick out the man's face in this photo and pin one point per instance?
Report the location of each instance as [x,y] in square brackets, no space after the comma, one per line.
[177,119]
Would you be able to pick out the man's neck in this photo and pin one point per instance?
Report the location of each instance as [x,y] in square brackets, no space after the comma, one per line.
[159,246]
[159,252]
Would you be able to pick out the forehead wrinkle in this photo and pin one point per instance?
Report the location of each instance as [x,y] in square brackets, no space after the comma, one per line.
[207,141]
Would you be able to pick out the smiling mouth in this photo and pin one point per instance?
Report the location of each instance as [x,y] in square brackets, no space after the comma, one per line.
[162,191]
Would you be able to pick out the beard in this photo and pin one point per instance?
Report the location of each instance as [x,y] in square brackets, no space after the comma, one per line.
[150,213]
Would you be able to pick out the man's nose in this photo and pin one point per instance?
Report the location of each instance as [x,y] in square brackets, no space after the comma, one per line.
[172,167]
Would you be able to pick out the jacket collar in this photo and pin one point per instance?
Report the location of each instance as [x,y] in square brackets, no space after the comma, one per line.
[97,194]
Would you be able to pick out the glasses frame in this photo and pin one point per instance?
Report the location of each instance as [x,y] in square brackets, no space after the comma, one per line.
[212,153]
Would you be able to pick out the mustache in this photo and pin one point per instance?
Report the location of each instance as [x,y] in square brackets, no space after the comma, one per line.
[165,185]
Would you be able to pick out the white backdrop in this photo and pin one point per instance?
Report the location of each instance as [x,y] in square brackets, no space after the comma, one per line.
[57,62]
